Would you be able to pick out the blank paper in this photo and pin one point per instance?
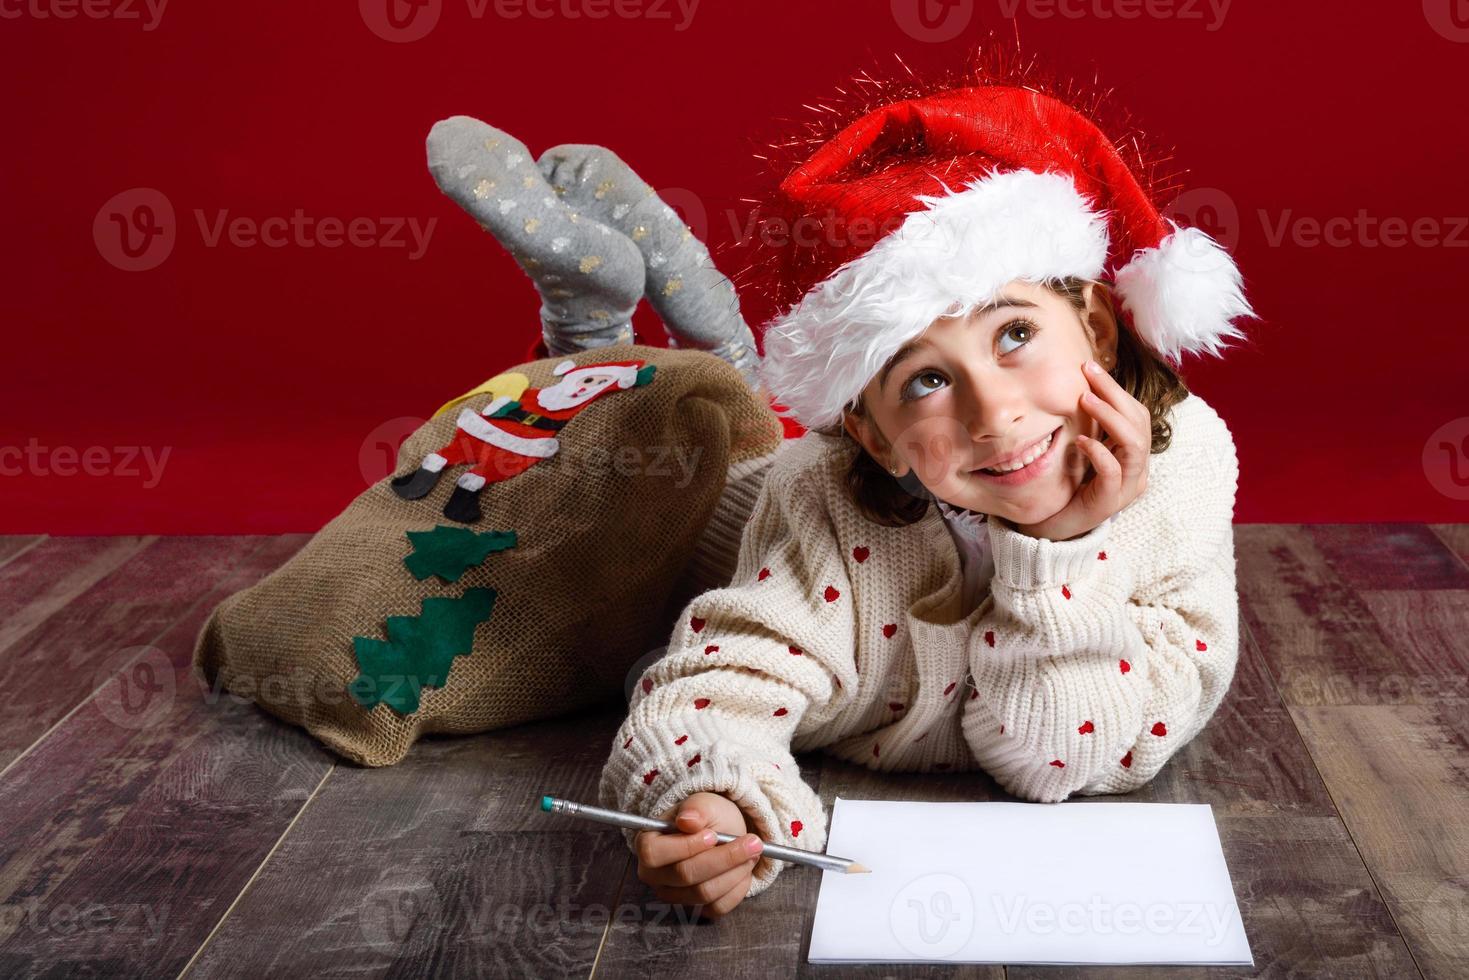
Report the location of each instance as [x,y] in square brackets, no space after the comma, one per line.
[1058,883]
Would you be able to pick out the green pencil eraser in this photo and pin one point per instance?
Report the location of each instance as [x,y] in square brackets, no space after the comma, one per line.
[546,803]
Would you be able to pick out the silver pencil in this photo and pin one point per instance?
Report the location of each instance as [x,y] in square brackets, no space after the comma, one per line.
[633,821]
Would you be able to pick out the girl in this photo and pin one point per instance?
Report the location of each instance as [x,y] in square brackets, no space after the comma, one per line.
[1064,616]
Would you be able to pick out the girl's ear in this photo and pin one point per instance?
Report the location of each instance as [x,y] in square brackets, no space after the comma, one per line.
[865,436]
[1101,320]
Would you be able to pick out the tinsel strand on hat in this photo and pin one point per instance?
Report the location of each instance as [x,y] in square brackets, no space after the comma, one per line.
[931,196]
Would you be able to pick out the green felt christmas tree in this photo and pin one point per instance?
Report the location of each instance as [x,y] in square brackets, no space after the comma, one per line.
[448,551]
[419,650]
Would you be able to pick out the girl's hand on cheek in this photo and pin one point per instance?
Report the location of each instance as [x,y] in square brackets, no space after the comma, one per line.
[1120,464]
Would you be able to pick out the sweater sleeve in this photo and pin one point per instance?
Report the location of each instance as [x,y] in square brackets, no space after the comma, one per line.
[747,667]
[1100,657]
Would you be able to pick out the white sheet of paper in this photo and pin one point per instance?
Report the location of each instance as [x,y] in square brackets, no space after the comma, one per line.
[1060,883]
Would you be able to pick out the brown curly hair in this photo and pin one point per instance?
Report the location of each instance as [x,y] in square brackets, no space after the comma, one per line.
[1139,371]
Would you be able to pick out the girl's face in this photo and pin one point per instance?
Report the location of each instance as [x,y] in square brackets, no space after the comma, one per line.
[972,390]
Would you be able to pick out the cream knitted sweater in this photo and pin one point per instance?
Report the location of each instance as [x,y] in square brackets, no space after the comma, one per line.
[1083,667]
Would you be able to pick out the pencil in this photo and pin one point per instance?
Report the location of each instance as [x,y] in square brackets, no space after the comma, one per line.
[633,821]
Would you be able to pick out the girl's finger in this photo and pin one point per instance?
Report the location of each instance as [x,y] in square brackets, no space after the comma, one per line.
[702,866]
[1105,489]
[658,849]
[709,891]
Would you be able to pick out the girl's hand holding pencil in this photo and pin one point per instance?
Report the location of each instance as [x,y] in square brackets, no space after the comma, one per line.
[690,868]
[701,852]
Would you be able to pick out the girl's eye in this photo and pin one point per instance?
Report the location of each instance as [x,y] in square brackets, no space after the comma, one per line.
[1028,329]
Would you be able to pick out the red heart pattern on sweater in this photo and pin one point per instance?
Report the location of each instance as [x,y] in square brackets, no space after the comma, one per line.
[796,828]
[696,623]
[1160,729]
[989,637]
[764,574]
[952,685]
[628,743]
[710,649]
[795,651]
[649,776]
[1066,592]
[1124,665]
[1200,646]
[647,684]
[889,629]
[1101,556]
[695,760]
[860,553]
[832,595]
[1058,763]
[780,712]
[1127,760]
[1086,728]
[680,740]
[700,704]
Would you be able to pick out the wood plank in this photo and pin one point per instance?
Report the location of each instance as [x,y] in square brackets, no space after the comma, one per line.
[42,580]
[1321,641]
[1429,632]
[1398,773]
[59,662]
[12,545]
[1455,537]
[128,832]
[440,865]
[1389,556]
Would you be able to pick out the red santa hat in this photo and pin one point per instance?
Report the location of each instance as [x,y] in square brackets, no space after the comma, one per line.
[928,206]
[625,373]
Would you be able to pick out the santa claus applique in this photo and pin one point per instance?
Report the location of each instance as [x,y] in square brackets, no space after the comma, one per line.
[508,437]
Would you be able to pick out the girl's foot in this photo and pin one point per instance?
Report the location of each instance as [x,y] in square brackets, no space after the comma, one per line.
[698,305]
[589,276]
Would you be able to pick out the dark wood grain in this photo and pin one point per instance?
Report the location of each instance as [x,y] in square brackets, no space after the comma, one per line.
[140,817]
[38,582]
[1400,775]
[14,544]
[1320,639]
[69,653]
[441,865]
[159,827]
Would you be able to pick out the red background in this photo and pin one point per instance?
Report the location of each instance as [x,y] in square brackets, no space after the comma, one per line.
[278,379]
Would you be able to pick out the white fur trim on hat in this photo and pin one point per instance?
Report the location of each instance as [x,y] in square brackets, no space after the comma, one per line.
[944,260]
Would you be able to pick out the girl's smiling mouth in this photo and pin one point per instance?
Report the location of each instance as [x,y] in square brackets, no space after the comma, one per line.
[1026,473]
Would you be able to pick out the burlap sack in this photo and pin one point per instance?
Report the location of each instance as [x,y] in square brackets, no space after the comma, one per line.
[641,508]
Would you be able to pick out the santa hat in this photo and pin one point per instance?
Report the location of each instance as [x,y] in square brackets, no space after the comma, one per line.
[929,206]
[628,374]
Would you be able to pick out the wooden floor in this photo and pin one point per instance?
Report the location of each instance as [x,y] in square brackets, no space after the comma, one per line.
[151,828]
